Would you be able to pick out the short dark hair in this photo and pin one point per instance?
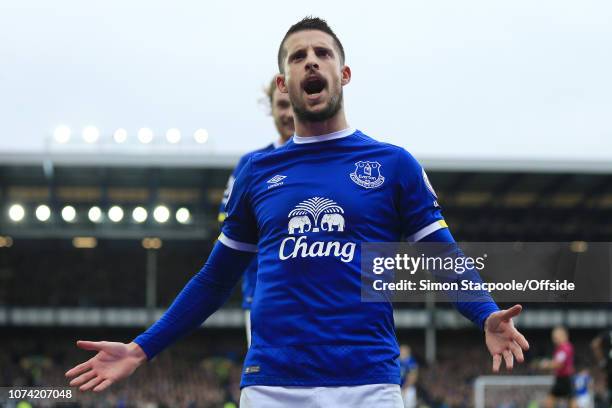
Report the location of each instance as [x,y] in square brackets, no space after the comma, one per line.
[308,23]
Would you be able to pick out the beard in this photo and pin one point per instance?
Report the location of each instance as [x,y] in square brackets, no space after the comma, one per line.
[333,107]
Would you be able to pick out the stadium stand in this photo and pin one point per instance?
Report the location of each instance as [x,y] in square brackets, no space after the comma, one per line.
[52,289]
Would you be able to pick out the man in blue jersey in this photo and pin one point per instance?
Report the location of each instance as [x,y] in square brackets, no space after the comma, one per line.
[409,375]
[305,208]
[583,388]
[280,109]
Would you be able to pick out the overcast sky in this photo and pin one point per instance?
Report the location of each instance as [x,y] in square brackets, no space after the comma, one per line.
[445,78]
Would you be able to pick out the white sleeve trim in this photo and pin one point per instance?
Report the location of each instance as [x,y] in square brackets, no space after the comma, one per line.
[423,232]
[237,245]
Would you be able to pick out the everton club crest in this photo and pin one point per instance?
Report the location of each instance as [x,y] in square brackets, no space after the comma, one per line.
[367,174]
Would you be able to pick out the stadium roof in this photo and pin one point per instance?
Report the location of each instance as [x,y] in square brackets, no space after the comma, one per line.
[200,158]
[483,199]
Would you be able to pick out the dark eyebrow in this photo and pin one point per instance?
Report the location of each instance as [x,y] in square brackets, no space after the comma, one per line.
[295,53]
[322,48]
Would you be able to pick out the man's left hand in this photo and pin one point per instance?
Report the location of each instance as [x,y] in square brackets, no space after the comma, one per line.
[502,338]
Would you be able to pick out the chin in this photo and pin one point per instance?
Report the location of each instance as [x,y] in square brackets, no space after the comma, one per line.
[317,107]
[317,111]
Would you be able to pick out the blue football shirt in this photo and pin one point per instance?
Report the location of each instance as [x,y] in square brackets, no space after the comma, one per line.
[406,366]
[249,278]
[305,208]
[581,384]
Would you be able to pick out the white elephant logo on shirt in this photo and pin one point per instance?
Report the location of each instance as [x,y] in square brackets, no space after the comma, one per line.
[331,220]
[301,222]
[316,214]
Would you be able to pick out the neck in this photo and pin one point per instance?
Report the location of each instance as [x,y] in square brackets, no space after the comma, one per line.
[281,140]
[334,124]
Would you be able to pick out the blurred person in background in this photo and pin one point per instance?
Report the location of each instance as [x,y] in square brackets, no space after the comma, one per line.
[602,349]
[583,388]
[562,364]
[409,375]
[280,109]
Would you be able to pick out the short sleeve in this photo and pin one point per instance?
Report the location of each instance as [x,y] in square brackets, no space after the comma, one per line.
[420,212]
[239,229]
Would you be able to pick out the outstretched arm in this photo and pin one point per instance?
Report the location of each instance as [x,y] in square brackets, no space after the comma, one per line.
[501,337]
[202,296]
[206,292]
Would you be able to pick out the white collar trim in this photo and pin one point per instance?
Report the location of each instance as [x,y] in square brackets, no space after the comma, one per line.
[322,138]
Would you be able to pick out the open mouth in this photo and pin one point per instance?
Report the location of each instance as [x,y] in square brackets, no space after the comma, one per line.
[314,85]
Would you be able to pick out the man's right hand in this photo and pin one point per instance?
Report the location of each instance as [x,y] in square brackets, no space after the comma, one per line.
[113,362]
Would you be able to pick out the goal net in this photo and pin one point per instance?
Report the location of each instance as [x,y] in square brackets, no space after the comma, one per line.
[511,391]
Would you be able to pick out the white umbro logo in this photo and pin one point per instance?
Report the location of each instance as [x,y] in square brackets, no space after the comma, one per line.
[276,181]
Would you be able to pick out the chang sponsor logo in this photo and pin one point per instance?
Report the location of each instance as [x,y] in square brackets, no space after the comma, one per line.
[315,215]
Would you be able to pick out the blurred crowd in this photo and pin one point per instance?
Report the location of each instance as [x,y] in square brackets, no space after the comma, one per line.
[183,376]
[204,370]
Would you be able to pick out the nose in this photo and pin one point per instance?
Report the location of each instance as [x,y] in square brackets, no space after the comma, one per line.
[311,65]
[287,116]
[311,61]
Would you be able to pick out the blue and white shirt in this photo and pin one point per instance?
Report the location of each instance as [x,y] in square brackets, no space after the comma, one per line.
[305,208]
[582,382]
